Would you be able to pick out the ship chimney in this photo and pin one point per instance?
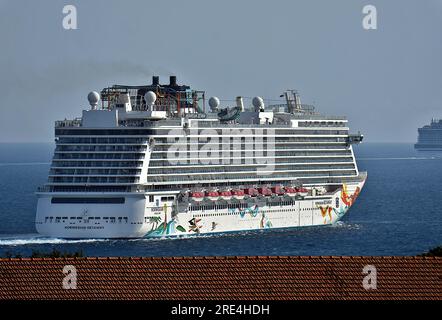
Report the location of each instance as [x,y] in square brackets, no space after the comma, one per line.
[172,80]
[240,103]
[155,80]
[298,105]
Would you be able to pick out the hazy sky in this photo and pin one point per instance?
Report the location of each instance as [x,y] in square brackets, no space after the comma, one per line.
[386,81]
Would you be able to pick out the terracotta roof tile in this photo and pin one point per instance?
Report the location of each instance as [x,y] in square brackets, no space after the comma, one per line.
[232,277]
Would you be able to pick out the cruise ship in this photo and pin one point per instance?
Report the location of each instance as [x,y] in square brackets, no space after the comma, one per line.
[160,160]
[430,136]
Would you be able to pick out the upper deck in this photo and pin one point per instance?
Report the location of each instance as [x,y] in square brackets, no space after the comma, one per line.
[436,124]
[174,105]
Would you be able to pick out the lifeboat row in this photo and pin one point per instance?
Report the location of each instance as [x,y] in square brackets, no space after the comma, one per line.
[251,192]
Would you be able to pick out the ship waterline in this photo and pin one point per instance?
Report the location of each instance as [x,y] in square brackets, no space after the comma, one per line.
[152,162]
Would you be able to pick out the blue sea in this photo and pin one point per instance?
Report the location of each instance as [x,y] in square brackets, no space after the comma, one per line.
[399,212]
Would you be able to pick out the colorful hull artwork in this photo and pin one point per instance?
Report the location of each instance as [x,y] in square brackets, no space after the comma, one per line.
[254,211]
[330,210]
[346,198]
[326,213]
[163,227]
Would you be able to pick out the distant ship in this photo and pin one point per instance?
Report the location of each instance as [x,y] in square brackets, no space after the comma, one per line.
[430,136]
[151,161]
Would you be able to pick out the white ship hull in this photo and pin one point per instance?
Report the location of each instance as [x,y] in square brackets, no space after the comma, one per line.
[86,220]
[78,221]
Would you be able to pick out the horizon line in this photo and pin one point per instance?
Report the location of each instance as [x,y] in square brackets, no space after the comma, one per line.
[48,142]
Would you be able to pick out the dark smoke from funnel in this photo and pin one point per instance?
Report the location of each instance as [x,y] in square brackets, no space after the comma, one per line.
[82,75]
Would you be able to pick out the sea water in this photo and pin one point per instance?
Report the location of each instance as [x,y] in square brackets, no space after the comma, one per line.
[399,212]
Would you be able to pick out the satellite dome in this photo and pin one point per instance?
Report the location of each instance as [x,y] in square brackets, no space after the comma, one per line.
[150,97]
[93,98]
[258,102]
[213,103]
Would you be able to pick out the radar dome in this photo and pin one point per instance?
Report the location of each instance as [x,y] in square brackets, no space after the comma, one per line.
[213,103]
[258,102]
[150,97]
[93,98]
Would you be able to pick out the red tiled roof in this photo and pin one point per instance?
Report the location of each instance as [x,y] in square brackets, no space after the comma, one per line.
[242,278]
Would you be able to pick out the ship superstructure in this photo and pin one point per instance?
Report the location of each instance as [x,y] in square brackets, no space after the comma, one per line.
[430,136]
[155,160]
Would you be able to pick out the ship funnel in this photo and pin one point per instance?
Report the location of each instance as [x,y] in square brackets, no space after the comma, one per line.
[172,81]
[240,103]
[155,80]
[298,105]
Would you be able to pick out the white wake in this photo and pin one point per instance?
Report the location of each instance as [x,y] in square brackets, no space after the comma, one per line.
[33,239]
[399,158]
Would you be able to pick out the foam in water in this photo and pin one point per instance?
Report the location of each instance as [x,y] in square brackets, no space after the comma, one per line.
[32,239]
[346,225]
[400,158]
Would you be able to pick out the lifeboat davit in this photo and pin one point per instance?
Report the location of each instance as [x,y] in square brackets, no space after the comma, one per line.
[252,192]
[197,195]
[239,194]
[226,194]
[278,190]
[265,191]
[212,195]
